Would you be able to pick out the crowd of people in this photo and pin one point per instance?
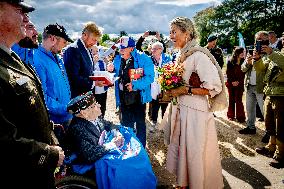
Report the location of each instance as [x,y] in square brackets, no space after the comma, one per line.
[38,82]
[260,73]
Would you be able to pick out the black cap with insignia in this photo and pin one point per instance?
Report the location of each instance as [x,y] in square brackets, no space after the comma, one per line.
[57,30]
[26,7]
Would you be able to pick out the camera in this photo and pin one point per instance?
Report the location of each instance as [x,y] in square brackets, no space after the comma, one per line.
[250,51]
[152,33]
[259,43]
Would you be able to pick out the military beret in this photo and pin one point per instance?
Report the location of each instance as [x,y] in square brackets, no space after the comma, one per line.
[81,102]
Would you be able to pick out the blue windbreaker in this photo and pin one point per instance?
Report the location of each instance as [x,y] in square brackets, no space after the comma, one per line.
[141,60]
[25,54]
[55,84]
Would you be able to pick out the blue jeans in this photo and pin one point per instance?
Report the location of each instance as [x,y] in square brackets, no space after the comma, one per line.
[252,97]
[135,113]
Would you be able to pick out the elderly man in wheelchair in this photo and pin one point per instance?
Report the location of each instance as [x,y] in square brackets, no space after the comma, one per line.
[100,154]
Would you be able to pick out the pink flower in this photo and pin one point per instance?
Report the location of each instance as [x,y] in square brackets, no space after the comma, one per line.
[175,79]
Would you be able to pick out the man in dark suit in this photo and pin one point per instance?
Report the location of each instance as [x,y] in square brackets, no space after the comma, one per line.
[214,49]
[29,156]
[78,60]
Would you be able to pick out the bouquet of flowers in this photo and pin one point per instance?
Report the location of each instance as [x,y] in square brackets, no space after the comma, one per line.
[170,77]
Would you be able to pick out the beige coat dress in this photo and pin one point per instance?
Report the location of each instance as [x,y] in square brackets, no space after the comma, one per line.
[193,152]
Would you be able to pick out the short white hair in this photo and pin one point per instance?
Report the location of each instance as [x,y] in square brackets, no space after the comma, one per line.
[158,44]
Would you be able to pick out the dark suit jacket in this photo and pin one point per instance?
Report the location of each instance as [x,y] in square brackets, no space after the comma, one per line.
[25,129]
[79,67]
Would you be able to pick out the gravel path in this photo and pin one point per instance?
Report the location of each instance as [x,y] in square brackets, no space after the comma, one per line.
[242,167]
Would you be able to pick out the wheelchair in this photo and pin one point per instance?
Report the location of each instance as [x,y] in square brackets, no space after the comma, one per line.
[66,177]
[75,182]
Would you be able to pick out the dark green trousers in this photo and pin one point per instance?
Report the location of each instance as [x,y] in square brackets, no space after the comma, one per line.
[274,116]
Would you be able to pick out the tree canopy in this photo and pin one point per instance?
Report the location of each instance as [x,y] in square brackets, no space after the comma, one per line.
[244,16]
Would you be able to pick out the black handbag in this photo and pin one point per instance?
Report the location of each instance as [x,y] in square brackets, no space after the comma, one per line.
[131,97]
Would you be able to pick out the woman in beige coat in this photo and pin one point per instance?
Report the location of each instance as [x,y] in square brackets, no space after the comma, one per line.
[193,153]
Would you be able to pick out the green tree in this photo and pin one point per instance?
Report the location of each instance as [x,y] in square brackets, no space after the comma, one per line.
[105,37]
[123,33]
[115,39]
[203,24]
[245,16]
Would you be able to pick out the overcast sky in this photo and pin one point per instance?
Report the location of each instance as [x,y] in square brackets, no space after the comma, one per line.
[113,16]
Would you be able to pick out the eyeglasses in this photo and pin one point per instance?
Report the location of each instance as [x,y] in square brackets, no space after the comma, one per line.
[155,49]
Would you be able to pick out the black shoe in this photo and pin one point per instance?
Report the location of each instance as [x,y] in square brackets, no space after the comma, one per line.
[264,151]
[261,119]
[276,163]
[247,131]
[265,138]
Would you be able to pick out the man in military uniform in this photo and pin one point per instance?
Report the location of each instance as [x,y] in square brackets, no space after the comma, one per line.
[271,64]
[28,154]
[215,50]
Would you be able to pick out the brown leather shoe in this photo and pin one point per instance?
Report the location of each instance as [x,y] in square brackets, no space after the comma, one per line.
[264,151]
[277,163]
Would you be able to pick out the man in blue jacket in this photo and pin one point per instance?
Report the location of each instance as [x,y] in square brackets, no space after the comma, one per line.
[25,48]
[133,94]
[51,71]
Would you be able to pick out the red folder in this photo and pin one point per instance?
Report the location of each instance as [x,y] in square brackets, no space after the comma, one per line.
[102,78]
[135,74]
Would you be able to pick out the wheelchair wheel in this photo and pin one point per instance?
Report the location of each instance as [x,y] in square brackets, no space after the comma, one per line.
[75,182]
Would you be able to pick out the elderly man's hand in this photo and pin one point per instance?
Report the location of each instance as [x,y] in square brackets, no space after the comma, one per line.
[110,67]
[129,87]
[61,155]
